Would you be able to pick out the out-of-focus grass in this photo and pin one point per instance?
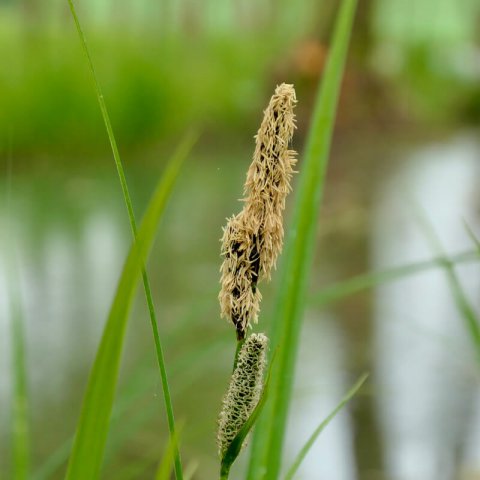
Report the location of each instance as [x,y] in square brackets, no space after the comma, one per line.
[359,283]
[152,93]
[305,449]
[156,85]
[465,308]
[20,401]
[214,71]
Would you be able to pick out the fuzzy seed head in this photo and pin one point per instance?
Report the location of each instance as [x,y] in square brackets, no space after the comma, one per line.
[239,296]
[244,390]
[253,239]
[269,176]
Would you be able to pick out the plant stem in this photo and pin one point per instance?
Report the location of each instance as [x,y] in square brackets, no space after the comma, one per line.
[133,226]
[237,351]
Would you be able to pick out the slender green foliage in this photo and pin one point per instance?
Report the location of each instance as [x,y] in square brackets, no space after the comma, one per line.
[137,386]
[86,458]
[20,427]
[305,449]
[364,281]
[468,313]
[165,466]
[269,435]
[54,461]
[133,226]
[20,423]
[473,237]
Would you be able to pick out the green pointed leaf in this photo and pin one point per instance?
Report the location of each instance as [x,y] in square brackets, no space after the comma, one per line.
[464,306]
[133,225]
[364,281]
[166,464]
[92,429]
[305,449]
[20,423]
[473,237]
[298,257]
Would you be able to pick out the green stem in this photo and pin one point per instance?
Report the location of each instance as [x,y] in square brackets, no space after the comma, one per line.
[21,450]
[237,352]
[224,472]
[133,226]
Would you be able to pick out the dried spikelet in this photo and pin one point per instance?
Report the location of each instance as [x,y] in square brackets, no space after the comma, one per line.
[239,296]
[253,239]
[269,176]
[244,390]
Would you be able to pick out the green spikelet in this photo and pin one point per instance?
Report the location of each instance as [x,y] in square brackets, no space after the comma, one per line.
[244,390]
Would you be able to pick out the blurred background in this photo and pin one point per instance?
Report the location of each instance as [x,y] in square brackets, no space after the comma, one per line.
[402,187]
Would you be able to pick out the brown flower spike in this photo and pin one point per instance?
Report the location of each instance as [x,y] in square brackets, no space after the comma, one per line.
[253,239]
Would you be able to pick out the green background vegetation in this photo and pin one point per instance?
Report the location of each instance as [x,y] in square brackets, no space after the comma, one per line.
[166,67]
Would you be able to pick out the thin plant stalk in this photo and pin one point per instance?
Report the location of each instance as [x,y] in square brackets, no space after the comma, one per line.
[473,237]
[20,428]
[133,226]
[313,437]
[20,424]
[364,281]
[468,313]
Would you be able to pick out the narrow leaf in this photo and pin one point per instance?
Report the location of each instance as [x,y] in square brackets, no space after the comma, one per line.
[364,281]
[133,225]
[19,415]
[308,445]
[464,306]
[299,250]
[473,237]
[86,458]
[166,464]
[20,424]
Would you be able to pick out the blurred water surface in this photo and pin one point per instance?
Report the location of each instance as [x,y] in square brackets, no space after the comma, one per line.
[406,146]
[68,242]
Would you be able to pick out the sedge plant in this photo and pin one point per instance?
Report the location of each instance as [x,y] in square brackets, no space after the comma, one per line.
[251,244]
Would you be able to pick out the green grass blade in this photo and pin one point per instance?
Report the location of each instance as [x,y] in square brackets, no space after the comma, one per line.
[364,281]
[468,313]
[165,466]
[54,461]
[473,237]
[184,375]
[305,449]
[131,216]
[472,322]
[86,457]
[267,448]
[20,424]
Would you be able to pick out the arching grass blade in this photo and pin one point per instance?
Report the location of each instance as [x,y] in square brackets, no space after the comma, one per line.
[303,452]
